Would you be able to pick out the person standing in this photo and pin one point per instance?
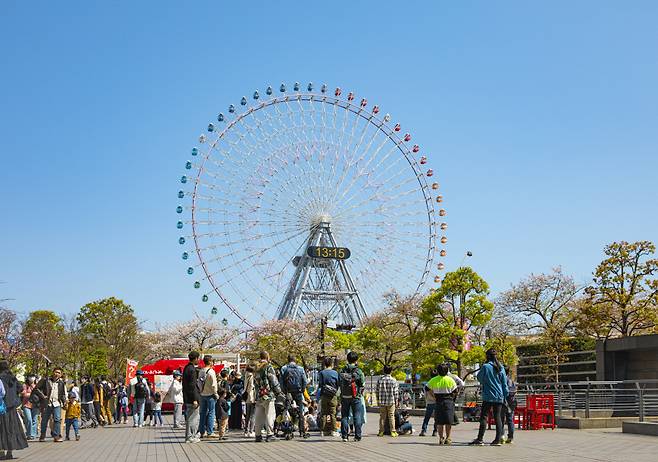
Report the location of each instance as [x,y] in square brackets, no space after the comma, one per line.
[387,392]
[430,406]
[249,396]
[237,388]
[510,408]
[328,388]
[73,412]
[87,402]
[208,386]
[223,407]
[293,378]
[30,408]
[352,383]
[191,397]
[444,388]
[12,437]
[267,388]
[175,396]
[51,392]
[121,393]
[493,381]
[140,392]
[105,397]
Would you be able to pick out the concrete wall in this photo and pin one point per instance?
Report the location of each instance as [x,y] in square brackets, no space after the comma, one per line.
[629,358]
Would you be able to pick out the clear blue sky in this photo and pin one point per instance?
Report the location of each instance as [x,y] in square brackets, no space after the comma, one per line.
[541,120]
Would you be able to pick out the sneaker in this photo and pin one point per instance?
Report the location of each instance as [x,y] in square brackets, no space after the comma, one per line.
[495,443]
[306,436]
[141,425]
[393,435]
[440,441]
[259,439]
[357,438]
[422,433]
[134,426]
[336,434]
[476,442]
[58,439]
[345,440]
[447,442]
[67,438]
[42,439]
[212,436]
[509,441]
[380,434]
[77,437]
[271,439]
[434,433]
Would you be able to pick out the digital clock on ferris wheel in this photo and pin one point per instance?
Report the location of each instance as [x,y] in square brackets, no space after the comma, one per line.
[336,253]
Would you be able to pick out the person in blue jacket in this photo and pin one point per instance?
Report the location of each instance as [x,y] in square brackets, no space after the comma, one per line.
[494,392]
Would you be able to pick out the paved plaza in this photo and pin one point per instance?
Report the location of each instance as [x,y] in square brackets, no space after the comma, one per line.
[124,443]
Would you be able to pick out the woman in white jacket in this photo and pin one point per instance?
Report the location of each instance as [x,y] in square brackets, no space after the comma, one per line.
[175,395]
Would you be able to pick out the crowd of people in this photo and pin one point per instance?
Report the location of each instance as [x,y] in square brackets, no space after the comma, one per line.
[266,404]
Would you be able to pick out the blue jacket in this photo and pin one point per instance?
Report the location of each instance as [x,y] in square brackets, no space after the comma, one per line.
[494,386]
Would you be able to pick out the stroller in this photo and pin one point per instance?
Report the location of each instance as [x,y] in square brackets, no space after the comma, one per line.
[284,426]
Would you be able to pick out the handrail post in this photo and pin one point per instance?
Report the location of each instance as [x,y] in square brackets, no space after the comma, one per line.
[640,396]
[587,402]
[572,395]
[559,399]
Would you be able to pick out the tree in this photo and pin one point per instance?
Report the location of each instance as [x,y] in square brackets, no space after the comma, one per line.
[624,294]
[10,336]
[281,337]
[109,328]
[456,312]
[544,304]
[202,334]
[42,335]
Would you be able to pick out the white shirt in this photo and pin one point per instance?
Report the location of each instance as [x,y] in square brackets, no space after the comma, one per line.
[175,393]
[54,394]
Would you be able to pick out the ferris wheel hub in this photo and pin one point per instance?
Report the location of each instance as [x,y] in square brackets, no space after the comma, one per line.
[321,218]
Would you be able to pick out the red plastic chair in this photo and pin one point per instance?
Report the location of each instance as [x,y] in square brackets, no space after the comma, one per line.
[540,412]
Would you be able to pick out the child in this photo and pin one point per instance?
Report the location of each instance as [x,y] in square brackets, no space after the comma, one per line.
[222,413]
[157,409]
[148,410]
[72,416]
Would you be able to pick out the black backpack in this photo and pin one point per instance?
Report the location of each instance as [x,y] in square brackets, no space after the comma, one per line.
[141,391]
[348,386]
[293,378]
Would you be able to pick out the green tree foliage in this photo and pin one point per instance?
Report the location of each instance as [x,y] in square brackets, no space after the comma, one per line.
[42,336]
[109,327]
[624,293]
[283,337]
[456,313]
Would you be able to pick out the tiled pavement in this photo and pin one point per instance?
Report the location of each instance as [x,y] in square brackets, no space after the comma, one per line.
[124,443]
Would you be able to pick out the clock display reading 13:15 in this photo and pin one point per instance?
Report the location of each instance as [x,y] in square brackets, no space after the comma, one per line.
[337,253]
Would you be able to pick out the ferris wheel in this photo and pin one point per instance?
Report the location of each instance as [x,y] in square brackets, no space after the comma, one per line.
[304,201]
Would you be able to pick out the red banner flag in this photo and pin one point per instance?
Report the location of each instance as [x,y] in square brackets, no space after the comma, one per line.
[131,370]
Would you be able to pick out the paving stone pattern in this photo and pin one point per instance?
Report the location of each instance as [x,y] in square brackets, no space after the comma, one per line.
[125,443]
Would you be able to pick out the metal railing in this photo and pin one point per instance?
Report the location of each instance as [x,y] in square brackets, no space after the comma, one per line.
[627,398]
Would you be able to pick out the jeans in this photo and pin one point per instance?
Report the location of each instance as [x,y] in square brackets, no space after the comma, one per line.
[56,413]
[138,411]
[497,413]
[75,422]
[30,416]
[207,415]
[249,418]
[405,428]
[178,415]
[429,413]
[191,421]
[354,405]
[298,398]
[157,416]
[387,413]
[328,410]
[509,418]
[265,415]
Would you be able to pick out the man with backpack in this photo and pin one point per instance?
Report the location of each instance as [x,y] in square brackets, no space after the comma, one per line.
[352,383]
[106,396]
[207,383]
[267,388]
[328,386]
[141,392]
[294,383]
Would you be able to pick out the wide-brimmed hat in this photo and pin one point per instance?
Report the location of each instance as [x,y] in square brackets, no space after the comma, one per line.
[177,373]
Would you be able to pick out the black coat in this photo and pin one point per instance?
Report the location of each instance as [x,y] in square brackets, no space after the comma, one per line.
[12,399]
[43,389]
[190,388]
